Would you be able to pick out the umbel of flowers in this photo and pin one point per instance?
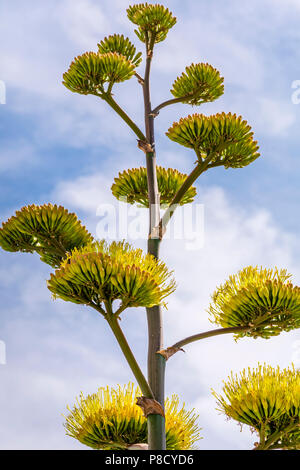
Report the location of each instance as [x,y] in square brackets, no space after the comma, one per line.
[268,400]
[110,420]
[263,299]
[49,230]
[132,186]
[98,274]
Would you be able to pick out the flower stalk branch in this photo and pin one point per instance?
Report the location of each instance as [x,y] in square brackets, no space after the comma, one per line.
[122,341]
[171,350]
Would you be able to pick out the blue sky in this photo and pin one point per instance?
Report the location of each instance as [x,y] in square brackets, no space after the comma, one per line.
[65,148]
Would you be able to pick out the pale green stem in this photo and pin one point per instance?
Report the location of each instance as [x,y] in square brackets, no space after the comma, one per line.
[191,178]
[109,99]
[275,437]
[208,334]
[156,363]
[120,337]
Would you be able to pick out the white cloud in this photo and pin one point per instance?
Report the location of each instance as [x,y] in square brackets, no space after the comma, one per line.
[85,193]
[276,117]
[82,21]
[17,154]
[234,59]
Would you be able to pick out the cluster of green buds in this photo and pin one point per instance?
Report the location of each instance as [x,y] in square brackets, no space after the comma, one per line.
[49,230]
[267,400]
[114,62]
[111,420]
[100,273]
[262,299]
[200,83]
[117,43]
[131,186]
[153,21]
[220,139]
[89,72]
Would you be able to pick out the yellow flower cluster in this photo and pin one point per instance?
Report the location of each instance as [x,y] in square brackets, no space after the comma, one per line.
[103,273]
[49,230]
[132,186]
[111,420]
[263,299]
[89,72]
[223,139]
[268,400]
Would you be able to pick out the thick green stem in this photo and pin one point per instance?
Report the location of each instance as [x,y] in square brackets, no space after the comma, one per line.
[141,380]
[262,435]
[156,363]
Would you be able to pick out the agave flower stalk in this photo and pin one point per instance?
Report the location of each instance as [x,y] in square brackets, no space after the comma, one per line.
[110,278]
[156,364]
[223,139]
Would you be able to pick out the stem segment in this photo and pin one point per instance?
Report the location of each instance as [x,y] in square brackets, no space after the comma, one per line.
[200,168]
[141,380]
[271,442]
[208,334]
[109,99]
[171,350]
[156,363]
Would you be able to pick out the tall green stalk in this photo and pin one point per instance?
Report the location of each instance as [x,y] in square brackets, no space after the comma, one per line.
[156,363]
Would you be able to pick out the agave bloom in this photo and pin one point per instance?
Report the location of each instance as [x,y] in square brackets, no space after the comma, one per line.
[89,72]
[49,230]
[153,21]
[118,43]
[200,83]
[101,273]
[268,400]
[220,139]
[110,420]
[132,186]
[263,299]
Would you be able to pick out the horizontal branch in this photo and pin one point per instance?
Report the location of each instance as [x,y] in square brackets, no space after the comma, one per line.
[168,352]
[156,110]
[181,99]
